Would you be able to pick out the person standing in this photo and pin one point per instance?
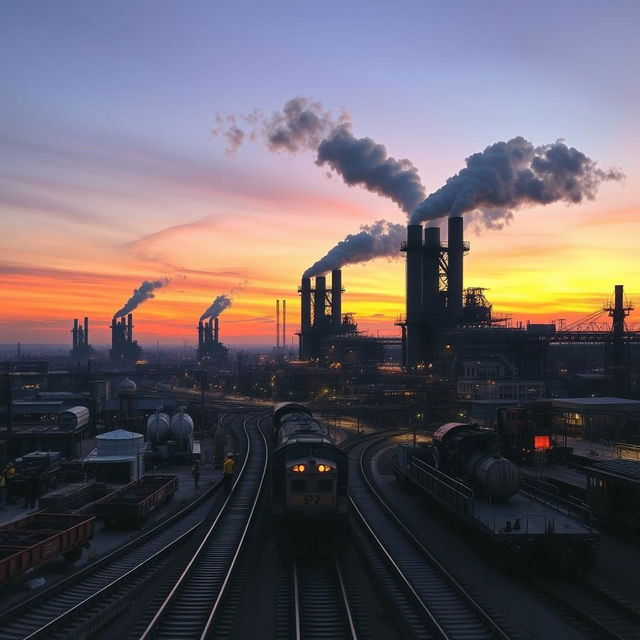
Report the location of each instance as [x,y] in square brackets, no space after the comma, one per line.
[9,476]
[228,467]
[33,491]
[195,472]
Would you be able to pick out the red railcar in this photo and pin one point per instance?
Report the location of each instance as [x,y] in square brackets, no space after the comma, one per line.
[30,542]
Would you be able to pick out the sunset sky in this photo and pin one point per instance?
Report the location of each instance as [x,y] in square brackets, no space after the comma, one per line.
[110,172]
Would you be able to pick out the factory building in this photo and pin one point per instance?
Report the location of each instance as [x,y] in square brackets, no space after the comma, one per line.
[326,334]
[80,347]
[210,350]
[124,349]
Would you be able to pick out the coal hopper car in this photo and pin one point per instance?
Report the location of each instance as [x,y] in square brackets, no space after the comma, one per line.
[464,472]
[309,483]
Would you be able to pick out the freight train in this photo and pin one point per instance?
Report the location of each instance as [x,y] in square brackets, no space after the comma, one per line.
[464,472]
[309,483]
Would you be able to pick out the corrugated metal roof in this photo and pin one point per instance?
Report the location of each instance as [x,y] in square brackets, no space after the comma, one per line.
[119,434]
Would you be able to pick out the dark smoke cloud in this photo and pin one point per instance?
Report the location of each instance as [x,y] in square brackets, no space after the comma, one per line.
[364,162]
[300,124]
[381,239]
[142,293]
[221,303]
[509,175]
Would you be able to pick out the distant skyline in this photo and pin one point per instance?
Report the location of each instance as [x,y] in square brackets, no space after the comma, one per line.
[111,174]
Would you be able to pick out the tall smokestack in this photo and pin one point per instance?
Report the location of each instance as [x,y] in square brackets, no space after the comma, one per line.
[454,271]
[114,333]
[305,305]
[208,333]
[319,301]
[284,324]
[200,334]
[277,323]
[74,333]
[336,300]
[130,327]
[86,331]
[431,274]
[216,331]
[413,248]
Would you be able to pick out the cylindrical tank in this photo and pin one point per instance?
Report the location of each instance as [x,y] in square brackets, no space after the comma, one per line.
[181,426]
[73,418]
[158,428]
[498,477]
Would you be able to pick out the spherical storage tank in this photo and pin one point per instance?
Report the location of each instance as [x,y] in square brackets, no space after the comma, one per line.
[158,428]
[181,426]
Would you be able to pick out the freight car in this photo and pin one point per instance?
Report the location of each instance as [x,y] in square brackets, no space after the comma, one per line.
[613,493]
[463,471]
[525,432]
[309,484]
[130,505]
[39,538]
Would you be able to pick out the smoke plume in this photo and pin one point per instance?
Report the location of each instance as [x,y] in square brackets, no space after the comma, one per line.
[300,124]
[509,175]
[364,162]
[142,293]
[221,303]
[381,239]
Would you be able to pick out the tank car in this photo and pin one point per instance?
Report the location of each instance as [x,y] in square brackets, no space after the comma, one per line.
[309,483]
[464,472]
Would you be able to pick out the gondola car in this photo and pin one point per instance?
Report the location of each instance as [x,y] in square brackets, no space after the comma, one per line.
[309,484]
[465,474]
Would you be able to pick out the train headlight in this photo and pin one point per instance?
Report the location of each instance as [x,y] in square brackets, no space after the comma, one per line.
[324,468]
[298,468]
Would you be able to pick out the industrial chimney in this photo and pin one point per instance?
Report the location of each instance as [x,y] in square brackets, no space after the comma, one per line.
[431,301]
[414,252]
[454,270]
[320,296]
[284,324]
[336,300]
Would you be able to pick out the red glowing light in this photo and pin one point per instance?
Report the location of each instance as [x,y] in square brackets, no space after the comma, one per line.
[542,442]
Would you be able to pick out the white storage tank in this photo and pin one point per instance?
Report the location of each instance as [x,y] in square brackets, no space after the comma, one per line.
[158,428]
[120,443]
[73,418]
[181,427]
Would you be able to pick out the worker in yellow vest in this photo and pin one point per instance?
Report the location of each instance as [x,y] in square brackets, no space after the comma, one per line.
[228,467]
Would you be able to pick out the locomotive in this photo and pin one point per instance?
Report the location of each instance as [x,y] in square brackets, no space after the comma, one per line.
[464,472]
[309,483]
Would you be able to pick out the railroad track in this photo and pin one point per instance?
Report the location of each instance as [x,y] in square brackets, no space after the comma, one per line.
[431,602]
[192,607]
[601,614]
[91,597]
[321,606]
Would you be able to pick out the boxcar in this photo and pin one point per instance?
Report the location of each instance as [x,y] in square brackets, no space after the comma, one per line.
[32,541]
[131,504]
